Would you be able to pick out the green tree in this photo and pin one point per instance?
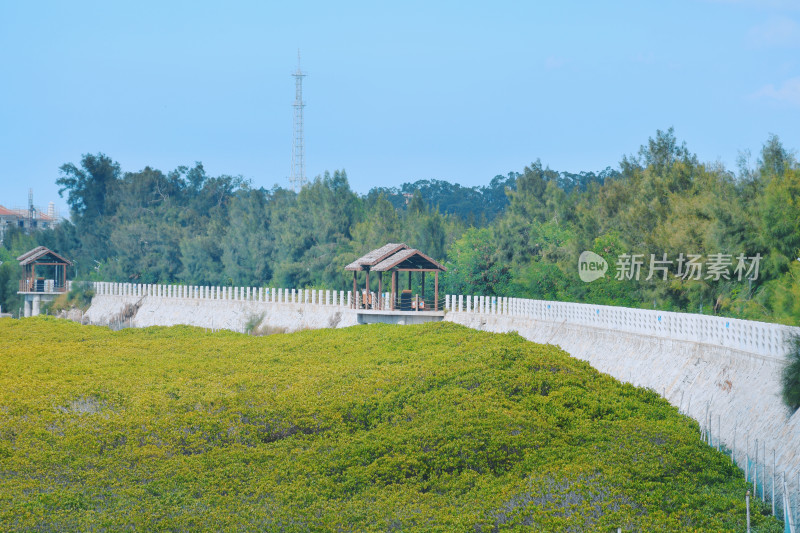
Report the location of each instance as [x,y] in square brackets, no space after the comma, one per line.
[791,376]
[381,224]
[780,213]
[312,231]
[473,266]
[10,274]
[92,197]
[91,188]
[247,244]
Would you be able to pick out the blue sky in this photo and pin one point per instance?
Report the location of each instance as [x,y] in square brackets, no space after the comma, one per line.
[395,92]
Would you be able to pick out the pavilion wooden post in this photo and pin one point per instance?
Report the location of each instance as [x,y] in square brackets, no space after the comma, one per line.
[409,280]
[366,295]
[422,274]
[354,290]
[380,290]
[436,291]
[394,289]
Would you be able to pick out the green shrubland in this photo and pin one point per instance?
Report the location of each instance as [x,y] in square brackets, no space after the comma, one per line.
[386,428]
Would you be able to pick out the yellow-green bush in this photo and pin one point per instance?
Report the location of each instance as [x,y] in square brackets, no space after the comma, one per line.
[79,296]
[434,427]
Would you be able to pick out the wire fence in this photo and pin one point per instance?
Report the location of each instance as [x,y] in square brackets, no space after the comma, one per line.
[758,463]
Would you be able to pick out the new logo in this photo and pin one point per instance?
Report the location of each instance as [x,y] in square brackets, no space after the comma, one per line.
[591,266]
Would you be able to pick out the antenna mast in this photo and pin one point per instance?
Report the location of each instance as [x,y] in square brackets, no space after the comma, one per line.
[31,209]
[298,176]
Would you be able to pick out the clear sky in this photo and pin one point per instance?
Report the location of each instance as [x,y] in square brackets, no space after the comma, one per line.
[396,91]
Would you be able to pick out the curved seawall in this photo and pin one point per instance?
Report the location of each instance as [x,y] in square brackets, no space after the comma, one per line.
[722,372]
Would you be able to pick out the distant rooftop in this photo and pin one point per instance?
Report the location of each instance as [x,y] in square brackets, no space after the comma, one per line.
[46,216]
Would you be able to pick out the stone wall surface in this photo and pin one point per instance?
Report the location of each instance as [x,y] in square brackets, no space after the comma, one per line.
[169,305]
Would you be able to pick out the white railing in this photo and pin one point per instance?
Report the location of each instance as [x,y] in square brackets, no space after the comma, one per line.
[754,337]
[246,294]
[243,294]
[41,286]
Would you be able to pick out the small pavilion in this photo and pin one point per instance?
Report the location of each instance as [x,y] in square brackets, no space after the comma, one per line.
[396,258]
[44,276]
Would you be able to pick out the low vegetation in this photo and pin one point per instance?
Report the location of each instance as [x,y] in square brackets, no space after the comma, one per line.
[78,297]
[386,428]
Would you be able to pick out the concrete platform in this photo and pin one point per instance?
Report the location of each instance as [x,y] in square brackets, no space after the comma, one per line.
[32,300]
[380,316]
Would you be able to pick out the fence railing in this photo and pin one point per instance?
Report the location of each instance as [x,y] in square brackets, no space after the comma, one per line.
[41,285]
[244,294]
[759,465]
[760,338]
[404,301]
[753,337]
[267,294]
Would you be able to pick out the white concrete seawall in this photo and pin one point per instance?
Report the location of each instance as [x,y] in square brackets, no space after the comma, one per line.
[233,308]
[724,373]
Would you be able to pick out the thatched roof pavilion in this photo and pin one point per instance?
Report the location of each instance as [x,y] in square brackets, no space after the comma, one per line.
[48,262]
[394,258]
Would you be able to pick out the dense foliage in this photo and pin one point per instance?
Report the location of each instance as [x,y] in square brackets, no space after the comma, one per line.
[521,235]
[435,428]
[78,297]
[791,376]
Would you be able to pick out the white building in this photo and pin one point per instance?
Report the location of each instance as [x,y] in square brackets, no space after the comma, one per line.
[29,220]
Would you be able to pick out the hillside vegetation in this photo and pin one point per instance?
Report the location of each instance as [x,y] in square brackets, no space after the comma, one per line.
[386,428]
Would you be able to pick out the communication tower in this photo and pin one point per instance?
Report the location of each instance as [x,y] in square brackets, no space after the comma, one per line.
[298,176]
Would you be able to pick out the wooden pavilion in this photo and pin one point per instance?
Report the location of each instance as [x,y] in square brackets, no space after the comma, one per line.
[396,258]
[52,270]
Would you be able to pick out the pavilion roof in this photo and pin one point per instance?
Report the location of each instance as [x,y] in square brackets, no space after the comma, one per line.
[375,256]
[38,253]
[408,259]
[394,256]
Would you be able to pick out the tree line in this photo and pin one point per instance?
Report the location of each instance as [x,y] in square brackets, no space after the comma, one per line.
[520,235]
